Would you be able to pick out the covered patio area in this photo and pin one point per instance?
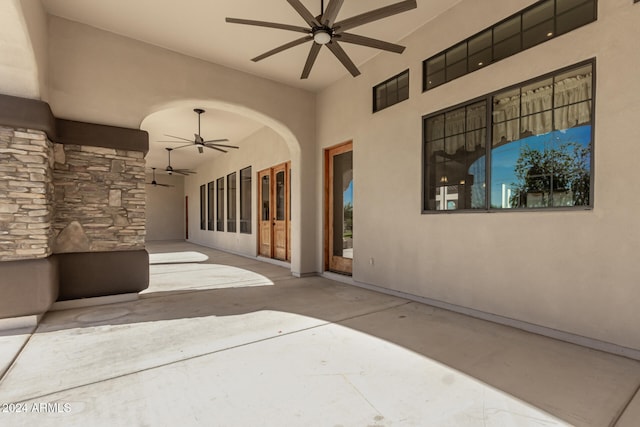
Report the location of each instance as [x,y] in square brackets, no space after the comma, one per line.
[224,340]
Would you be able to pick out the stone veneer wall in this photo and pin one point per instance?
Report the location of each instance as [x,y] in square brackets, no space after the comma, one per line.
[99,199]
[72,209]
[26,194]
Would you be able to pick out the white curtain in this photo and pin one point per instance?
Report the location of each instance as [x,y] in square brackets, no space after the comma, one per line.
[535,117]
[516,116]
[456,130]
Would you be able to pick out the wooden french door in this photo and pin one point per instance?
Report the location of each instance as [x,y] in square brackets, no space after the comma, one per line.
[274,201]
[264,224]
[339,208]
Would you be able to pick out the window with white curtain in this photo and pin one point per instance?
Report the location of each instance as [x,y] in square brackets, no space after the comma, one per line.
[535,152]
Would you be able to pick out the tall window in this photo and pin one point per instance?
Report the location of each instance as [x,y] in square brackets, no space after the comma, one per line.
[231,202]
[220,204]
[535,152]
[210,206]
[203,207]
[245,200]
[536,24]
[391,91]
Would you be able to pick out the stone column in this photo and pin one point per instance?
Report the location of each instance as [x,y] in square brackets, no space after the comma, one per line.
[28,275]
[26,194]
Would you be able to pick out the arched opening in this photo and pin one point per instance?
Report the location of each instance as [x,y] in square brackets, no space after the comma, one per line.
[212,197]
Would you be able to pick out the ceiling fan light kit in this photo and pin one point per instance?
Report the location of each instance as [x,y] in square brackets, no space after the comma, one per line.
[324,31]
[322,36]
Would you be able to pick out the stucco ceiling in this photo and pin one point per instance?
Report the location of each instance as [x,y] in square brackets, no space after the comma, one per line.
[197,28]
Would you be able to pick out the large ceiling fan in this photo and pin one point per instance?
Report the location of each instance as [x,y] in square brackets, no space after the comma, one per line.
[323,30]
[170,170]
[199,141]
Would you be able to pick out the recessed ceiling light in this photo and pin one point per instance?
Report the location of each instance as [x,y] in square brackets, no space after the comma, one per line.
[481,63]
[549,34]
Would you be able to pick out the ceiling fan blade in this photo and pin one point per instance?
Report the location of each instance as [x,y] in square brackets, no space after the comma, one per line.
[374,15]
[331,12]
[369,42]
[215,140]
[184,171]
[215,148]
[283,47]
[155,184]
[311,59]
[304,12]
[186,145]
[268,24]
[342,56]
[222,145]
[178,137]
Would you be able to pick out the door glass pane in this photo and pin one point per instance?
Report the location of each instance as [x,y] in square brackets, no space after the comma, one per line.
[343,205]
[265,198]
[280,195]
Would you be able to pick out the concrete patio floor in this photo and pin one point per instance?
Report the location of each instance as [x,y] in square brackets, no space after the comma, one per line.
[224,340]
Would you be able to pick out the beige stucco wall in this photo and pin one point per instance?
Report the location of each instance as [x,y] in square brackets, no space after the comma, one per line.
[35,20]
[575,271]
[104,78]
[22,61]
[165,208]
[261,150]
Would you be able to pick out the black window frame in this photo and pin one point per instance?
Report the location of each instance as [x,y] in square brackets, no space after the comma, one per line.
[220,204]
[211,206]
[440,75]
[245,207]
[203,207]
[232,198]
[386,83]
[488,98]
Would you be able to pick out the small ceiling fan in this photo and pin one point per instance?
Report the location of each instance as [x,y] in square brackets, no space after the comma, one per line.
[323,30]
[199,141]
[155,183]
[171,170]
